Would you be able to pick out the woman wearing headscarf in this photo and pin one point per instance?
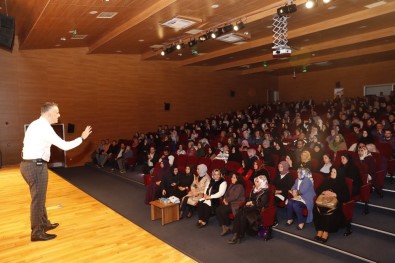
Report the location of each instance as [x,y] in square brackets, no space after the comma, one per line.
[233,198]
[196,192]
[366,139]
[283,181]
[154,189]
[325,220]
[350,170]
[303,197]
[338,144]
[327,165]
[234,155]
[368,160]
[211,198]
[248,217]
[259,169]
[185,181]
[169,182]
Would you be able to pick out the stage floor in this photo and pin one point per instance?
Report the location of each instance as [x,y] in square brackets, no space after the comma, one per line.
[89,231]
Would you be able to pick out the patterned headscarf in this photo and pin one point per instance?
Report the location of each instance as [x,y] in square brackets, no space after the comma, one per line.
[263,184]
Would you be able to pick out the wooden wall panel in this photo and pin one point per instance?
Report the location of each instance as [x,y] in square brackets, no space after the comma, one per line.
[117,94]
[320,85]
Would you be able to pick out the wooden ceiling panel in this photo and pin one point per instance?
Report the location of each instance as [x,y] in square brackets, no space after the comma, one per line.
[333,31]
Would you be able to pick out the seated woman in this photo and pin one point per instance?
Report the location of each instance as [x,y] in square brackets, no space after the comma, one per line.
[248,217]
[185,181]
[367,139]
[169,182]
[338,144]
[326,167]
[326,221]
[196,191]
[211,198]
[302,197]
[233,198]
[154,189]
[234,155]
[259,169]
[350,170]
[283,182]
[367,159]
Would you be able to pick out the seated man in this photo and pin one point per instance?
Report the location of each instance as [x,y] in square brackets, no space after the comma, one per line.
[122,161]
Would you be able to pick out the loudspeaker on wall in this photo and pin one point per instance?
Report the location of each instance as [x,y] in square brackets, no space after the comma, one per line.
[232,93]
[7,31]
[167,106]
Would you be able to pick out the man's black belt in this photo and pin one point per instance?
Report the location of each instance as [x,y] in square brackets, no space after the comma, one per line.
[35,161]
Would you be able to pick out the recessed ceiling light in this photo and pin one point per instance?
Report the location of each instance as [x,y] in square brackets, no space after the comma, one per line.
[57,45]
[361,27]
[141,40]
[63,38]
[93,12]
[214,6]
[306,40]
[331,7]
[180,54]
[270,26]
[119,51]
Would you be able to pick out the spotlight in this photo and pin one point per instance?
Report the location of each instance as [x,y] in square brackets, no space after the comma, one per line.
[162,53]
[304,70]
[204,37]
[310,4]
[287,9]
[238,26]
[214,34]
[180,46]
[326,1]
[225,29]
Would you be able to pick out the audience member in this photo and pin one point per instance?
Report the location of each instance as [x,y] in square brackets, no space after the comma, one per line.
[196,191]
[248,217]
[233,199]
[328,220]
[211,198]
[302,197]
[350,170]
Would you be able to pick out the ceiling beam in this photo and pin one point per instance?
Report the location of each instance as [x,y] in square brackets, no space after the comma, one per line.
[331,57]
[386,32]
[324,25]
[152,10]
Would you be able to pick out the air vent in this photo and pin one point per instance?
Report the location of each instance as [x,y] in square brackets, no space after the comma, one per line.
[107,14]
[178,23]
[232,38]
[78,36]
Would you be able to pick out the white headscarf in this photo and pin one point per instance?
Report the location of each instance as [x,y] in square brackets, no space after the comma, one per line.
[263,184]
[202,170]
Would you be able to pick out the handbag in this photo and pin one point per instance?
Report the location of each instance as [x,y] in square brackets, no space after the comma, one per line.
[326,205]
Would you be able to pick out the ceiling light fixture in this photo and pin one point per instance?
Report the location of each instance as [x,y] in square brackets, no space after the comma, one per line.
[239,25]
[310,4]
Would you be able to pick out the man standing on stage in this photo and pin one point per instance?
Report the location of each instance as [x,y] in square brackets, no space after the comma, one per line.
[36,153]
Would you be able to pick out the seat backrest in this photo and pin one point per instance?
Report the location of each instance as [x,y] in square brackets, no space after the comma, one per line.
[276,159]
[318,179]
[192,160]
[232,166]
[181,160]
[272,172]
[206,161]
[349,182]
[294,174]
[248,185]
